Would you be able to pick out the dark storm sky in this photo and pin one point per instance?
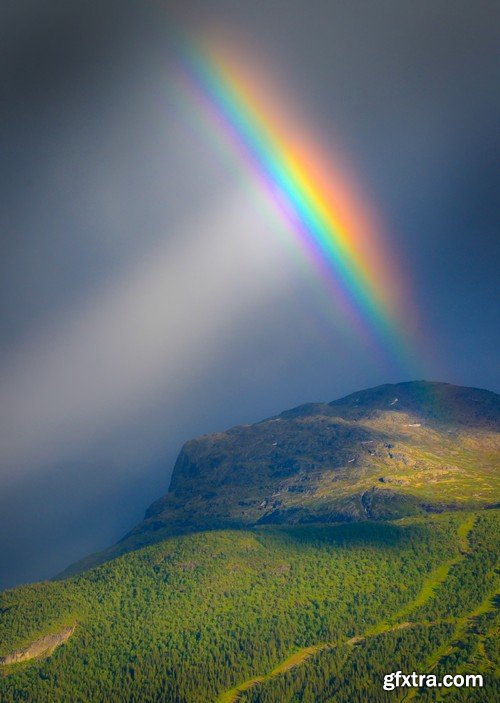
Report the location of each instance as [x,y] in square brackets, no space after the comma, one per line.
[142,298]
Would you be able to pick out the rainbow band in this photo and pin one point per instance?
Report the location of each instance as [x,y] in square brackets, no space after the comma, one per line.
[320,204]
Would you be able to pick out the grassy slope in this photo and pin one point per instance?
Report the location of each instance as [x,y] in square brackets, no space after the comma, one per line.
[194,616]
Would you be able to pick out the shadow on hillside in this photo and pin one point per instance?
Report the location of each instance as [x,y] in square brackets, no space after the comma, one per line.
[348,535]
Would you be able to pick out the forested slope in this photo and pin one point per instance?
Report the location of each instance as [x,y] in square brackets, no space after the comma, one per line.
[193,617]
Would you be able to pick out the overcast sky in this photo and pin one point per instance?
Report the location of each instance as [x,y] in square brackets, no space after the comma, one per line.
[148,289]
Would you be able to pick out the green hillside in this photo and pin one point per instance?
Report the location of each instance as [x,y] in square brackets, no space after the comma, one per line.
[195,617]
[297,560]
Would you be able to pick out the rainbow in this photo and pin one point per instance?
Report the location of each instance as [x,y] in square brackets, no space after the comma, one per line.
[332,222]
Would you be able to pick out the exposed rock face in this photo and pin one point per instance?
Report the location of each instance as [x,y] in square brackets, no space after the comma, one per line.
[322,462]
[42,646]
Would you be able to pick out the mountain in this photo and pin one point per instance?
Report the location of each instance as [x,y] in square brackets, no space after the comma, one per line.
[386,452]
[298,560]
[377,453]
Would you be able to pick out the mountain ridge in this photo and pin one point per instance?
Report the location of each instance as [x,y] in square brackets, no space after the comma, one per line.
[381,453]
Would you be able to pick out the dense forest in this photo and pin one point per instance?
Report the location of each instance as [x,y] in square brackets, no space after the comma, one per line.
[197,618]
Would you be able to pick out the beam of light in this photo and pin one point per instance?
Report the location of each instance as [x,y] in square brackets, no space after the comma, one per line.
[139,339]
[333,224]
